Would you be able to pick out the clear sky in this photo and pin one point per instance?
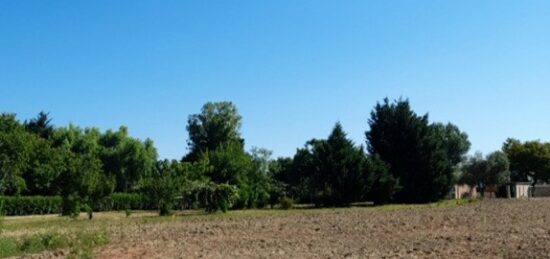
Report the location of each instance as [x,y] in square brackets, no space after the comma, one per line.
[293,68]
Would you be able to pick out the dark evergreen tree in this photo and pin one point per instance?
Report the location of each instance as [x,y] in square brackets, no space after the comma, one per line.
[41,125]
[339,178]
[421,156]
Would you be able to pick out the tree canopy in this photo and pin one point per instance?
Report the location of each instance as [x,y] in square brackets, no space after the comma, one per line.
[530,159]
[484,171]
[422,156]
[216,125]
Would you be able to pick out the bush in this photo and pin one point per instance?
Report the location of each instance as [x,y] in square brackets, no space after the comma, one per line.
[30,205]
[210,196]
[286,203]
[128,212]
[70,206]
[39,205]
[124,201]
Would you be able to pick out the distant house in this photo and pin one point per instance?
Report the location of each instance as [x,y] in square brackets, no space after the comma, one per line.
[520,189]
[462,191]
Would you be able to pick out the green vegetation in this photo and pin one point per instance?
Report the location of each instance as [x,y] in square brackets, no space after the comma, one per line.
[286,203]
[408,159]
[22,205]
[80,244]
[422,156]
[530,159]
[492,170]
[37,205]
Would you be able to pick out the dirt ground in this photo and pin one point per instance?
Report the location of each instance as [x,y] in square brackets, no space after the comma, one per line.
[487,229]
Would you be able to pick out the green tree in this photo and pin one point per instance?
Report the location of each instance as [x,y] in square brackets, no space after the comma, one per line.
[381,184]
[482,172]
[339,178]
[283,179]
[41,125]
[166,184]
[258,179]
[455,141]
[216,125]
[421,156]
[82,182]
[45,165]
[530,159]
[15,154]
[127,159]
[329,172]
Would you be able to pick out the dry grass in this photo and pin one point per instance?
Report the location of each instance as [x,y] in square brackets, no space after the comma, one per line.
[487,229]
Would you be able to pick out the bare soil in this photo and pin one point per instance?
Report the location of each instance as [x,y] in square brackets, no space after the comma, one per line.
[488,229]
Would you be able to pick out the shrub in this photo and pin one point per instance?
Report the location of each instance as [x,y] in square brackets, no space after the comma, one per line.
[210,196]
[123,201]
[286,203]
[128,212]
[29,205]
[70,206]
[39,205]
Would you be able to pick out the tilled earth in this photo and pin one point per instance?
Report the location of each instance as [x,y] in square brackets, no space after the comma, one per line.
[488,229]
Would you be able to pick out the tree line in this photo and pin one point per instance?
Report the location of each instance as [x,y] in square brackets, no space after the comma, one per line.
[405,159]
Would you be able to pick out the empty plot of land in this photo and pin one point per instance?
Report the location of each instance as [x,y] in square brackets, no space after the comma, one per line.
[487,229]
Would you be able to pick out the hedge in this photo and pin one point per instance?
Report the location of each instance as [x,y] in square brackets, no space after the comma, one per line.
[123,201]
[38,205]
[30,205]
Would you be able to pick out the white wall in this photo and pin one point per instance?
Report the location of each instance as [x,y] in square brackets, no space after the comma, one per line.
[522,190]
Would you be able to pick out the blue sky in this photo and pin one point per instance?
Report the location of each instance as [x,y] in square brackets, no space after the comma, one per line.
[293,68]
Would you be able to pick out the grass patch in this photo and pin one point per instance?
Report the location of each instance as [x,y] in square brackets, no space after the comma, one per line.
[80,243]
[438,204]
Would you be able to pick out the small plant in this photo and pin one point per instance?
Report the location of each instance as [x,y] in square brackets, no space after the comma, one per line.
[83,243]
[128,212]
[88,210]
[70,206]
[286,203]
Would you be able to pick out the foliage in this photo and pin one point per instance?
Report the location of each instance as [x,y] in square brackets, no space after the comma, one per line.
[15,152]
[286,203]
[530,159]
[124,201]
[258,183]
[41,125]
[127,159]
[30,205]
[492,170]
[327,172]
[211,196]
[217,124]
[38,205]
[164,186]
[338,170]
[382,185]
[79,243]
[420,155]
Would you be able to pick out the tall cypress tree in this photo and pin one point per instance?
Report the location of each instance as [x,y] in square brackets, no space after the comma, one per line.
[421,156]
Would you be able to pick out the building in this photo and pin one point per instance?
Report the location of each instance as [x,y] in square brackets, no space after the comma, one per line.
[520,189]
[462,191]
